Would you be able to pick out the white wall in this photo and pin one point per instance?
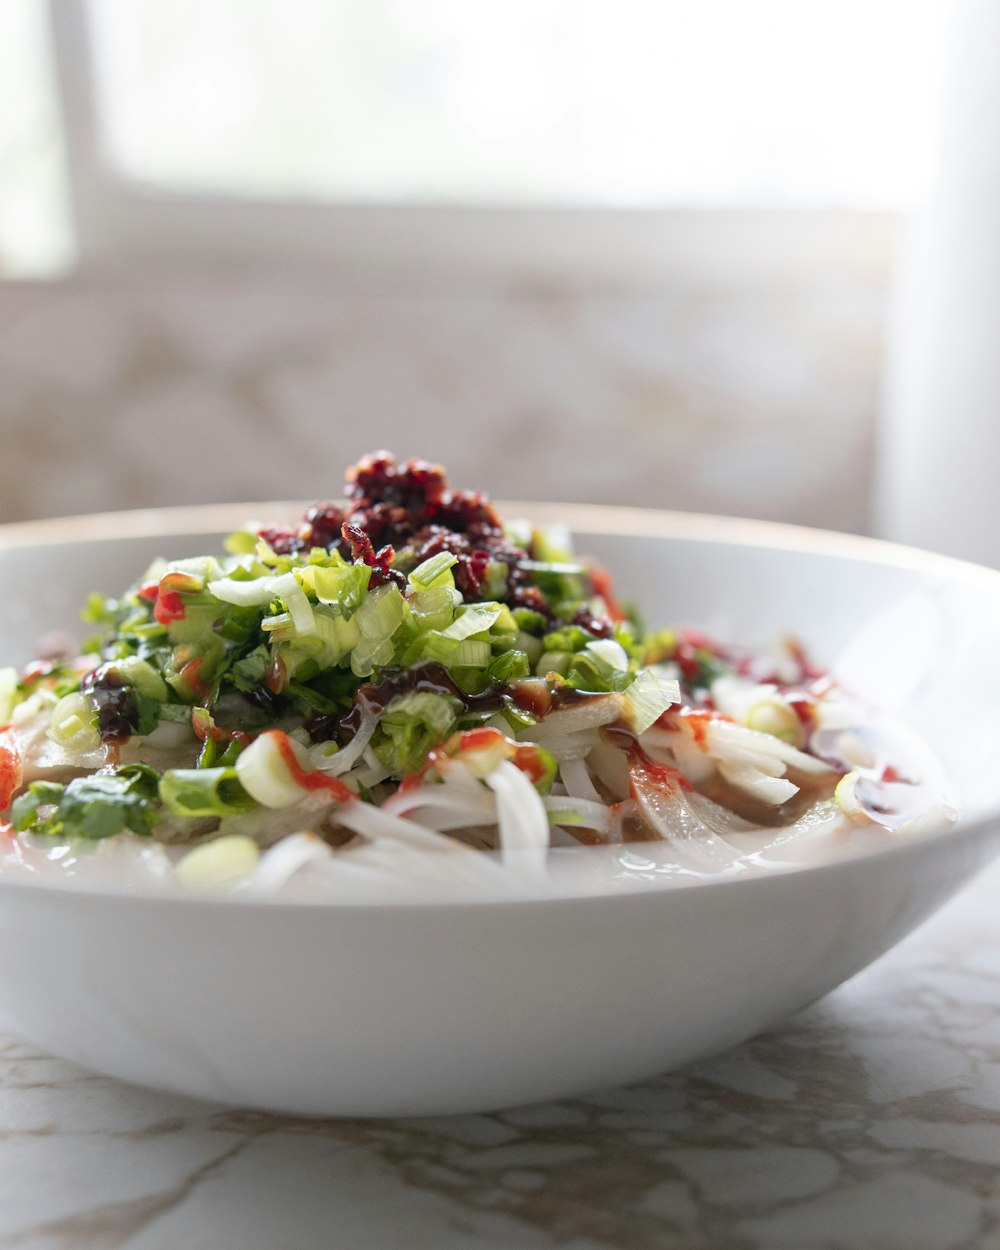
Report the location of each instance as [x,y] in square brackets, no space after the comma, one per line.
[194,384]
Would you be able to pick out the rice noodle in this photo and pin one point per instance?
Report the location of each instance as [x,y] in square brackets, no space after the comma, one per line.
[524,824]
[727,740]
[390,838]
[287,857]
[451,805]
[759,785]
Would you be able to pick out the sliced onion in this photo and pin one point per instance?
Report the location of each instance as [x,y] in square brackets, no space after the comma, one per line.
[772,790]
[590,713]
[610,767]
[687,819]
[569,746]
[727,740]
[587,814]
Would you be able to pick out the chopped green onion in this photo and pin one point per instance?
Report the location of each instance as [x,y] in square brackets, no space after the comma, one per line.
[176,713]
[377,620]
[474,618]
[142,675]
[248,673]
[411,725]
[509,666]
[434,572]
[530,620]
[569,638]
[516,717]
[265,776]
[299,609]
[470,653]
[197,622]
[204,792]
[433,609]
[601,666]
[648,697]
[219,863]
[72,723]
[564,816]
[241,543]
[343,585]
[281,622]
[553,662]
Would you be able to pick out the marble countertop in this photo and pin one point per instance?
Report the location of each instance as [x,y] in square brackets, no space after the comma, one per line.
[870,1120]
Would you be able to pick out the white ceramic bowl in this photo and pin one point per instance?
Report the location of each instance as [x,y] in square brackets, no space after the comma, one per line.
[405,1007]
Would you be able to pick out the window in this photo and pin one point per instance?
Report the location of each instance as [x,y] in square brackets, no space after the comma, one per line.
[35,229]
[455,125]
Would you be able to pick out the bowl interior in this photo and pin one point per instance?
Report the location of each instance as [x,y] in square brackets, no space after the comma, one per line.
[916,635]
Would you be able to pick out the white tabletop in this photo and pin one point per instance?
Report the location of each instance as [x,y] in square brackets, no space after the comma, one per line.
[870,1120]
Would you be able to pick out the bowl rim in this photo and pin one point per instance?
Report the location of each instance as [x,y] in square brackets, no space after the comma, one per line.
[973,832]
[581,518]
[181,520]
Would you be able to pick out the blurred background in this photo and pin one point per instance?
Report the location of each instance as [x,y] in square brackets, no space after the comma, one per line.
[575,249]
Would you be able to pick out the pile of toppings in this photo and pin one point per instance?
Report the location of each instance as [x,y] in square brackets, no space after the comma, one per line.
[401,670]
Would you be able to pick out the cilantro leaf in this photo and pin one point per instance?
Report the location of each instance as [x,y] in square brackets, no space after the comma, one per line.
[94,807]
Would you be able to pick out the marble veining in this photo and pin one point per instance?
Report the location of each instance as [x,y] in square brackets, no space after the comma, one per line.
[872,1120]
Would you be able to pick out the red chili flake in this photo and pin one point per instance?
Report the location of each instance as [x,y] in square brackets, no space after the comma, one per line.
[218,733]
[662,776]
[698,721]
[36,670]
[190,675]
[593,624]
[479,739]
[169,607]
[378,561]
[529,761]
[411,506]
[688,661]
[322,525]
[804,708]
[601,582]
[809,670]
[472,573]
[10,774]
[283,541]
